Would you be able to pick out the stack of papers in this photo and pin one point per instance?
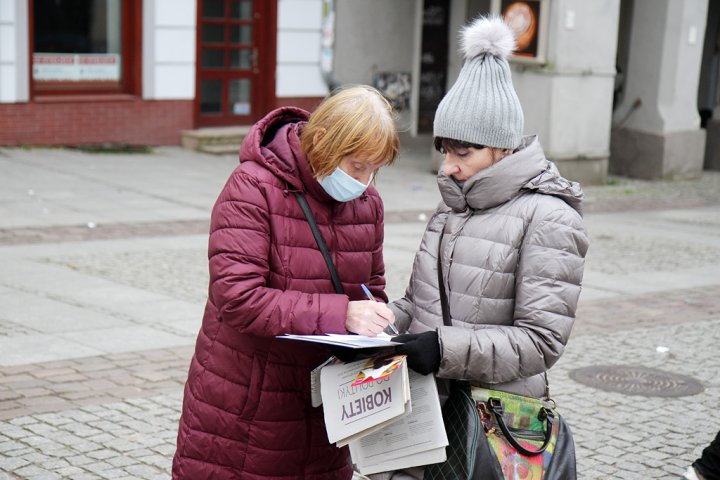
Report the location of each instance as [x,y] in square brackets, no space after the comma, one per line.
[349,341]
[389,415]
[354,411]
[418,438]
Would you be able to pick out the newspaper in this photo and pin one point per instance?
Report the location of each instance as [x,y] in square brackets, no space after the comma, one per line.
[354,411]
[416,439]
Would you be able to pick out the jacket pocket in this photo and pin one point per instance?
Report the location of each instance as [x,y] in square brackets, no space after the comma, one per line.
[255,387]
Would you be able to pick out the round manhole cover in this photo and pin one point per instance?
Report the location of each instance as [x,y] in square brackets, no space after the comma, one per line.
[637,381]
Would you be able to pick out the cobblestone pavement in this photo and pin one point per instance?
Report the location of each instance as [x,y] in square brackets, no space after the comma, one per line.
[115,416]
[97,327]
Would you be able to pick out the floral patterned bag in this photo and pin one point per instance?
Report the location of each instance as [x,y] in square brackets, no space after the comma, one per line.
[495,435]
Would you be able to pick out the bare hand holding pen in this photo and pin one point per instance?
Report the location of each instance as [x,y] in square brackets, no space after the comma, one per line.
[368,317]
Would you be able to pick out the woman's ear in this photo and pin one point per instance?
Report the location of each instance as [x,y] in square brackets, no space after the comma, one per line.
[318,135]
[500,153]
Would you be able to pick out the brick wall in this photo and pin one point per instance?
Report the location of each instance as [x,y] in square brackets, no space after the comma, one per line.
[67,121]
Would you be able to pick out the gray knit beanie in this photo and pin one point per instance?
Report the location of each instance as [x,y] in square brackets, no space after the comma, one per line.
[482,107]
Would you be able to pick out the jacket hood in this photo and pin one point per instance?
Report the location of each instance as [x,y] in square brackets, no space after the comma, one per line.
[274,143]
[525,170]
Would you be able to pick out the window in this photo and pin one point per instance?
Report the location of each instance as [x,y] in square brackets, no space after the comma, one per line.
[85,46]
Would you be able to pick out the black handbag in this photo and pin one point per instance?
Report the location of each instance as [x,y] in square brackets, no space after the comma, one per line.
[494,435]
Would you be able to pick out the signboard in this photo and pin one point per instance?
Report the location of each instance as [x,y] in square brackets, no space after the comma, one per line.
[76,67]
[529,20]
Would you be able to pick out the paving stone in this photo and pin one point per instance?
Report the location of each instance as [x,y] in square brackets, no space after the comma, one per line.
[22,421]
[9,446]
[629,466]
[675,471]
[80,460]
[55,464]
[98,467]
[605,459]
[142,471]
[53,419]
[29,471]
[625,475]
[20,452]
[84,446]
[54,373]
[35,457]
[113,474]
[102,454]
[121,461]
[70,472]
[46,475]
[12,464]
[87,476]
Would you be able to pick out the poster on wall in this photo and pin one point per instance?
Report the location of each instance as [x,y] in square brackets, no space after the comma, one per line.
[528,18]
[395,87]
[73,67]
[327,41]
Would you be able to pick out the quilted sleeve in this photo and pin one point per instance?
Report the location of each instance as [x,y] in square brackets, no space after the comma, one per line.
[238,250]
[547,287]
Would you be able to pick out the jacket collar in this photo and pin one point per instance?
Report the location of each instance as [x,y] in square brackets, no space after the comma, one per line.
[497,183]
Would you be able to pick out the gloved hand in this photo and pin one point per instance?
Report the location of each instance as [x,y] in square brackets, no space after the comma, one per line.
[343,353]
[422,350]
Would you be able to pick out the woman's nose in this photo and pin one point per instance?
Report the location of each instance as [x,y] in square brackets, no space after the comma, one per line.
[364,178]
[449,168]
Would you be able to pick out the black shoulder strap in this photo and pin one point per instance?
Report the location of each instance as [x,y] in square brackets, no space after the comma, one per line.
[320,241]
[441,285]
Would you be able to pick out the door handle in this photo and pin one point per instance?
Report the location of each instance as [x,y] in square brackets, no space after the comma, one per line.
[255,67]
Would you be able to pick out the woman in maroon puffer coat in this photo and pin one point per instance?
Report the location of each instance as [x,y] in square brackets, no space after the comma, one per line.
[246,411]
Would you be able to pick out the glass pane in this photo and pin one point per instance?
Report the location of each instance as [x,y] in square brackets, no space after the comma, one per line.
[211,96]
[240,58]
[77,40]
[213,33]
[241,9]
[241,34]
[213,8]
[213,57]
[239,96]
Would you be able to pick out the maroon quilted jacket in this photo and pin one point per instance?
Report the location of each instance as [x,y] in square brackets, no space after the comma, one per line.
[246,411]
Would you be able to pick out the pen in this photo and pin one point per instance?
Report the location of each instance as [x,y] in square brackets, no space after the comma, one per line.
[370,296]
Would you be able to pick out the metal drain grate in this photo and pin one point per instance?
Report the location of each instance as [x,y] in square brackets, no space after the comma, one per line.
[632,380]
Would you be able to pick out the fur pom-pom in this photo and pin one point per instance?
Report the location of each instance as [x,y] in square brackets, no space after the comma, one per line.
[487,35]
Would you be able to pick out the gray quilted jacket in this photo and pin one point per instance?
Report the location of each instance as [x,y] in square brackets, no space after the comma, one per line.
[513,249]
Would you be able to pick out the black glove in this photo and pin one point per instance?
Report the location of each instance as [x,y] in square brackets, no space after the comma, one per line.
[422,350]
[345,354]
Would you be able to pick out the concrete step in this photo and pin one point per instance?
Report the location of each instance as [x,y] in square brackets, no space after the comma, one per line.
[220,149]
[218,140]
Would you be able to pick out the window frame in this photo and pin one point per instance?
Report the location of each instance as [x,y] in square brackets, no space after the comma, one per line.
[131,61]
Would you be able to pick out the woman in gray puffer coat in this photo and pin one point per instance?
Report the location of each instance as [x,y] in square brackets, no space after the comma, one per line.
[509,233]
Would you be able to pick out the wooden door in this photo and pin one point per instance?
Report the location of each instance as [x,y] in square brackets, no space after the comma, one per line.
[235,81]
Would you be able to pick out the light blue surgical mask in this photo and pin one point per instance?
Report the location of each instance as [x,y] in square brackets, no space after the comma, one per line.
[341,186]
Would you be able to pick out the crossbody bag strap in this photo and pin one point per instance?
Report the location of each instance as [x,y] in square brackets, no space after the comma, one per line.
[320,242]
[441,284]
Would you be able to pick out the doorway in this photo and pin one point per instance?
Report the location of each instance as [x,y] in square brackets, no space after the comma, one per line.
[433,61]
[235,81]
